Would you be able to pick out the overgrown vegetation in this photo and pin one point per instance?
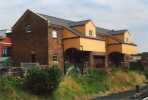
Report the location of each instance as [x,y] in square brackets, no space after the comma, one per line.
[72,87]
[42,81]
[76,86]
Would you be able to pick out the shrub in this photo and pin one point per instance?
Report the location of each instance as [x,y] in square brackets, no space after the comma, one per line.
[8,87]
[54,75]
[146,73]
[136,66]
[41,81]
[6,62]
[96,74]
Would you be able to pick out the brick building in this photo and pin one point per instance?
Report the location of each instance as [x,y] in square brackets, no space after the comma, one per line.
[5,43]
[49,40]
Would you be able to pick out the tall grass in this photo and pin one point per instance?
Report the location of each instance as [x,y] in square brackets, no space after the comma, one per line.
[11,89]
[76,86]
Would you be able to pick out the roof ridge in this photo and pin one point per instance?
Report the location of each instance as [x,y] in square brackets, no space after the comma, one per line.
[44,15]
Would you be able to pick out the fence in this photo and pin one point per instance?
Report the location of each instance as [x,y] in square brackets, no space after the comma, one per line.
[12,71]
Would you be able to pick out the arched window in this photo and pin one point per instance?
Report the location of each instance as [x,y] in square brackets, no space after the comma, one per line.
[28,28]
[54,34]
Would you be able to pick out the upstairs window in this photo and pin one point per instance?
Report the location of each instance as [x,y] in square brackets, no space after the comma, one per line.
[54,34]
[90,33]
[28,28]
[55,58]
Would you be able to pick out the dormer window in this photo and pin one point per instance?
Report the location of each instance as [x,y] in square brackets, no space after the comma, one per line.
[90,33]
[28,28]
[54,34]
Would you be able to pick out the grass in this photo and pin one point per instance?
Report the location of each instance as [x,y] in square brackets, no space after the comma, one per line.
[75,86]
[11,89]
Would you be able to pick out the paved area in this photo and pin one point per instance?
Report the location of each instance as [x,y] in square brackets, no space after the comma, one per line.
[127,95]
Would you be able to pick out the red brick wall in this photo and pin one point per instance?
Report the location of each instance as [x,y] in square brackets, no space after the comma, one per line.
[55,46]
[24,44]
[5,43]
[1,48]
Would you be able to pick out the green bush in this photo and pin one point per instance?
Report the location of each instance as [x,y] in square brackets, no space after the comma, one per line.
[98,75]
[9,87]
[136,66]
[6,62]
[146,73]
[41,81]
[54,75]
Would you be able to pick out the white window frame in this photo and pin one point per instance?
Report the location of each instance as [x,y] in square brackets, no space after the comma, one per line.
[54,34]
[28,28]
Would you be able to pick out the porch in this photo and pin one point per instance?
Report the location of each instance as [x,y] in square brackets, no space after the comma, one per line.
[120,54]
[82,58]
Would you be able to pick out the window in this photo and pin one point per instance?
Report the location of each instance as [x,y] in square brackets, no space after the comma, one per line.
[54,34]
[33,58]
[90,33]
[55,58]
[28,29]
[6,52]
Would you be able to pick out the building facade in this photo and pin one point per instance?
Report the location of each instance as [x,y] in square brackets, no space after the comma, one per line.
[5,43]
[49,40]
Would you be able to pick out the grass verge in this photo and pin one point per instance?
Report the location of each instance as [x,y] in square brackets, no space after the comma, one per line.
[75,86]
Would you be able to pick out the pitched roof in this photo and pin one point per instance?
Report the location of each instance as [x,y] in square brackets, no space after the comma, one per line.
[115,32]
[78,23]
[103,31]
[69,24]
[55,20]
[66,23]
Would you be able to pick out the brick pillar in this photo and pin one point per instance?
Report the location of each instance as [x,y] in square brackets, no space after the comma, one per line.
[126,60]
[106,61]
[91,60]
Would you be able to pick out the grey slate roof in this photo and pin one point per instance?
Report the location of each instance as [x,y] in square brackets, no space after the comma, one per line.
[61,22]
[102,31]
[69,24]
[57,21]
[113,32]
[78,23]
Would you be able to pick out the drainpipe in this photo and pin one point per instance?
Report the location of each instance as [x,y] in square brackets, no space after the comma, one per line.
[82,69]
[62,40]
[106,54]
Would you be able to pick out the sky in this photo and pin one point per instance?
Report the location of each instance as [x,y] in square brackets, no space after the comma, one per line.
[110,14]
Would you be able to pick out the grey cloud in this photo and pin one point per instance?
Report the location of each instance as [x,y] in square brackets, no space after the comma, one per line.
[113,14]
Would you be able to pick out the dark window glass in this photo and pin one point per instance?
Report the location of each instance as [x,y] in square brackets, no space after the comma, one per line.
[55,58]
[90,32]
[6,52]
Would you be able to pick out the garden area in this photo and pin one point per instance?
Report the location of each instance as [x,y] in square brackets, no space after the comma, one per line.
[51,84]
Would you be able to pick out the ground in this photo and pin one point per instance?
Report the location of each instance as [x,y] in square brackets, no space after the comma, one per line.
[79,87]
